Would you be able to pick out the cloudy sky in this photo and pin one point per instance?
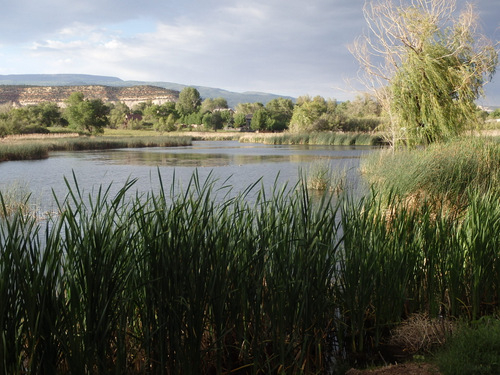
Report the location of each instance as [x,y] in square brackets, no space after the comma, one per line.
[286,47]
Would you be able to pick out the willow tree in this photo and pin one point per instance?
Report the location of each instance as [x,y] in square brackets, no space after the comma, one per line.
[427,64]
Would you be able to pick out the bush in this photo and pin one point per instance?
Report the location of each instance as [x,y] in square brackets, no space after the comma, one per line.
[472,349]
[34,129]
[321,177]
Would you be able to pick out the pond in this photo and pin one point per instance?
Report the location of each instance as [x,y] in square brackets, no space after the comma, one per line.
[242,163]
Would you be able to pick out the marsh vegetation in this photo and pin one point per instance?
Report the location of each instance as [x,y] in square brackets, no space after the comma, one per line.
[198,280]
[31,149]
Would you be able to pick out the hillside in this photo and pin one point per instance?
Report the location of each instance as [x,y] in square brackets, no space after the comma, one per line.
[26,95]
[232,98]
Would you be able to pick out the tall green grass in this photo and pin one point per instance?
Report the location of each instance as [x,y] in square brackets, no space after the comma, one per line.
[99,143]
[15,198]
[23,151]
[321,177]
[441,170]
[323,138]
[40,148]
[202,280]
[472,349]
[404,260]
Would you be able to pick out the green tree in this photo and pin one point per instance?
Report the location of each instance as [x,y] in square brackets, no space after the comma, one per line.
[262,120]
[189,101]
[495,113]
[117,115]
[227,117]
[281,111]
[212,120]
[426,65]
[165,124]
[239,120]
[307,115]
[48,114]
[140,108]
[31,119]
[192,119]
[86,115]
[210,105]
[39,115]
[248,108]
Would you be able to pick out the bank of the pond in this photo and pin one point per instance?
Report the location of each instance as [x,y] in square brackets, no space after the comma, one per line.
[38,146]
[33,149]
[443,172]
[320,138]
[181,282]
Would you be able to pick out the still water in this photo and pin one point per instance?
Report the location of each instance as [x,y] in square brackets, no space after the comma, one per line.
[242,163]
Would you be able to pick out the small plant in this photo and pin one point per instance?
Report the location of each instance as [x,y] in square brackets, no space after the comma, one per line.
[14,198]
[322,178]
[472,349]
[319,175]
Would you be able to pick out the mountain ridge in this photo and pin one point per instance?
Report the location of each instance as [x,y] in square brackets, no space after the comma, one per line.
[23,95]
[233,98]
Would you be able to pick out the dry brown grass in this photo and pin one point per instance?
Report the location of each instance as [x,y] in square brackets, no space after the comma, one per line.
[21,137]
[491,133]
[421,334]
[213,136]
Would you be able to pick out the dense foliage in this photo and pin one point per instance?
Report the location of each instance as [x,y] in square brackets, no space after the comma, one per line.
[191,112]
[30,119]
[86,115]
[474,349]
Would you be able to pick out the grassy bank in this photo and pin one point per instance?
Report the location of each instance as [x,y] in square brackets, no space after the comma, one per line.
[444,172]
[185,282]
[30,149]
[324,138]
[221,135]
[38,147]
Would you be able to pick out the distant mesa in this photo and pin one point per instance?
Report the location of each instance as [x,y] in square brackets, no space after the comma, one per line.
[80,80]
[32,95]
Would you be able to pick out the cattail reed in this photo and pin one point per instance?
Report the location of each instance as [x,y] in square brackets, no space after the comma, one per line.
[201,279]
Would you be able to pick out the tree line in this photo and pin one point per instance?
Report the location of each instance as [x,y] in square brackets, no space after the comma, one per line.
[424,64]
[192,112]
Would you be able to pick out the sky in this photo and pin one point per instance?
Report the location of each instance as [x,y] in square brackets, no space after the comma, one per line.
[285,47]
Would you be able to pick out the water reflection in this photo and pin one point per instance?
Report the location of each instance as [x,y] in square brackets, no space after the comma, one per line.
[151,158]
[243,164]
[218,154]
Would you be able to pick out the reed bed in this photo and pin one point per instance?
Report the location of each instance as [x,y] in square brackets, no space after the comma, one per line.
[23,151]
[199,280]
[40,148]
[441,171]
[320,138]
[65,134]
[15,198]
[321,177]
[102,143]
[214,136]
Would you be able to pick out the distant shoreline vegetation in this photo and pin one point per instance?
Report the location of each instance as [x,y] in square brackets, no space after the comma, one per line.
[31,147]
[319,138]
[34,149]
[307,120]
